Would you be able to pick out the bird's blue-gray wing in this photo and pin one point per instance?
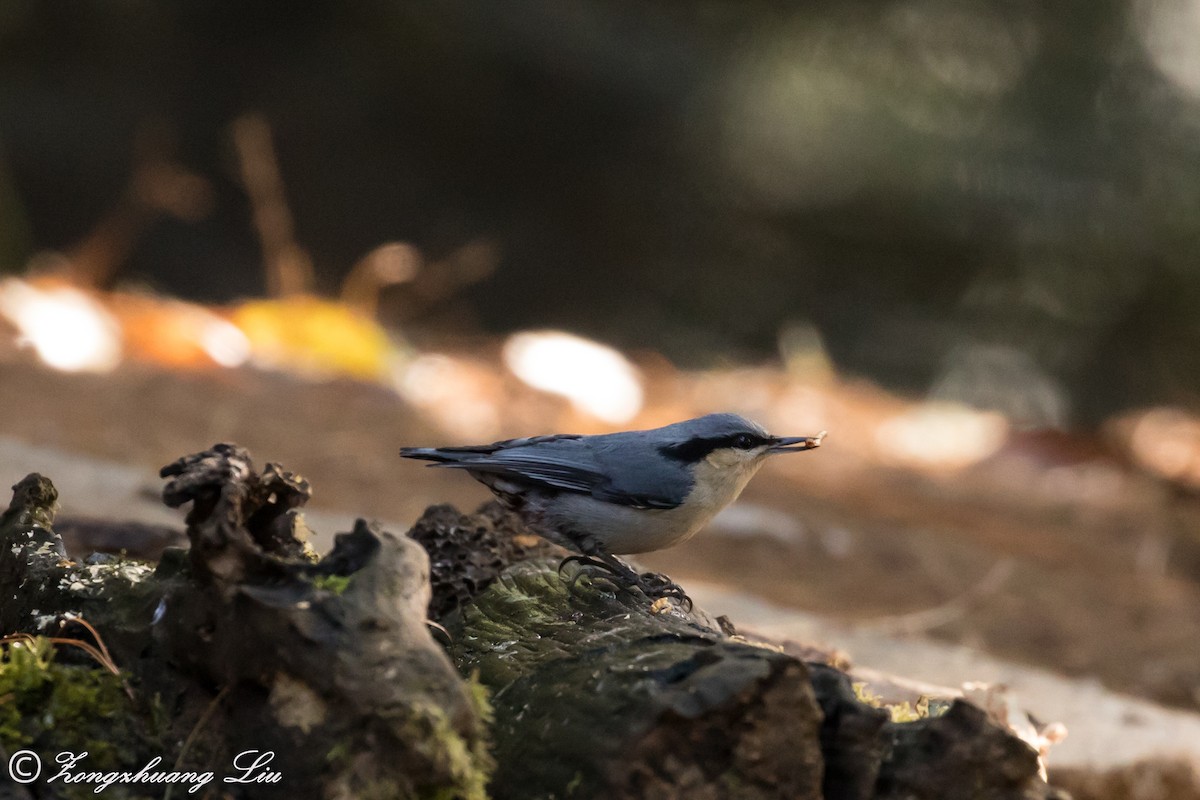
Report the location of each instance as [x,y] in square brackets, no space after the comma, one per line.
[550,470]
[558,462]
[570,464]
[638,475]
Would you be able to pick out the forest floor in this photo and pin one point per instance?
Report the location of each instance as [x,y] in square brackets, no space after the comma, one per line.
[882,563]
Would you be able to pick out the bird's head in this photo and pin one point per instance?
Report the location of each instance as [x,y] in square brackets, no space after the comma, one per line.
[728,445]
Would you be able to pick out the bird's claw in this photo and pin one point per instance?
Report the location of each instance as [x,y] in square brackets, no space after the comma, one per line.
[655,585]
[592,570]
[583,562]
[606,568]
[652,584]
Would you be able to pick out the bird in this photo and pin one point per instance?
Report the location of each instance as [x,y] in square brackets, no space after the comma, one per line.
[624,493]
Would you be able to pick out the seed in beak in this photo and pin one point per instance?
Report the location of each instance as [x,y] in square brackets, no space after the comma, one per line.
[796,444]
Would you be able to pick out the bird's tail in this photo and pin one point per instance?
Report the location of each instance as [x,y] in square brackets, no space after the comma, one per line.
[442,456]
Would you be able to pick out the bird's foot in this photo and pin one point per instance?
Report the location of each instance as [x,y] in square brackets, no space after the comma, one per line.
[591,569]
[655,585]
[594,570]
[597,573]
[586,563]
[612,571]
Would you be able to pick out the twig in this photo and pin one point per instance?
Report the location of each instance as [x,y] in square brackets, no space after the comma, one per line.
[95,635]
[108,659]
[387,265]
[289,269]
[98,652]
[443,279]
[29,639]
[438,627]
[195,732]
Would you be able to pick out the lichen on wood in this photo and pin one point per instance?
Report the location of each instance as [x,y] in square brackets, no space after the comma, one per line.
[246,641]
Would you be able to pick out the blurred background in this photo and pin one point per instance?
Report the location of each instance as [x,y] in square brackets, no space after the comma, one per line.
[963,237]
[962,197]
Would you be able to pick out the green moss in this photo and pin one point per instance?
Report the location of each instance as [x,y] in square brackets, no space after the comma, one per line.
[481,699]
[51,707]
[41,697]
[332,583]
[466,760]
[339,754]
[469,763]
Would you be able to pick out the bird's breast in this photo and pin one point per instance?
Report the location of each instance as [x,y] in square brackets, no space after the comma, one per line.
[628,530]
[619,529]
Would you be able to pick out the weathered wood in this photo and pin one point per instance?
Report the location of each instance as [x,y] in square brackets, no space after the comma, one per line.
[600,693]
[852,737]
[39,586]
[960,753]
[327,663]
[597,693]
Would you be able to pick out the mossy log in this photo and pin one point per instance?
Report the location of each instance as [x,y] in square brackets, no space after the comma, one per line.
[599,693]
[248,642]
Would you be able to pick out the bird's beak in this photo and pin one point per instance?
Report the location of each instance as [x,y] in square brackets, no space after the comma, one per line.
[795,444]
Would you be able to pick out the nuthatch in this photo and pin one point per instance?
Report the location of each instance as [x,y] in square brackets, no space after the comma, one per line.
[617,493]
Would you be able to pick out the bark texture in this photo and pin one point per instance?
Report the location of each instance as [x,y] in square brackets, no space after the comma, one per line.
[599,693]
[248,640]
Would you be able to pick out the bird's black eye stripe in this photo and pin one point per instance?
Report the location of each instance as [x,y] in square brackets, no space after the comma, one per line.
[696,449]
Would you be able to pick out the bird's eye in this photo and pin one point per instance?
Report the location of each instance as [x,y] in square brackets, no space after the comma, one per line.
[743,441]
